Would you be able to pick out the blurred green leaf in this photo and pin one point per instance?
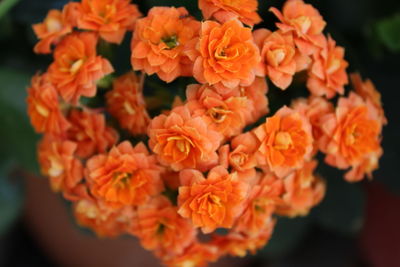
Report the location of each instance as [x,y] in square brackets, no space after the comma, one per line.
[10,199]
[342,209]
[18,140]
[388,31]
[287,234]
[5,5]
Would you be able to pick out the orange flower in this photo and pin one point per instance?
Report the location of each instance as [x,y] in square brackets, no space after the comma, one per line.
[278,56]
[224,10]
[56,25]
[302,191]
[58,162]
[286,141]
[159,42]
[256,93]
[159,227]
[125,176]
[327,75]
[305,22]
[103,221]
[213,202]
[314,108]
[237,244]
[244,146]
[196,255]
[369,93]
[43,107]
[352,135]
[226,115]
[227,55]
[126,103]
[182,141]
[76,68]
[110,18]
[88,129]
[367,165]
[260,205]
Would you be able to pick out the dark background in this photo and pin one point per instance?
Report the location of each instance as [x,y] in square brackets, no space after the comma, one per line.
[356,225]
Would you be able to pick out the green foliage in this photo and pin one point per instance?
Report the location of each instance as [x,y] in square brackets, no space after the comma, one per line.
[18,141]
[5,5]
[388,32]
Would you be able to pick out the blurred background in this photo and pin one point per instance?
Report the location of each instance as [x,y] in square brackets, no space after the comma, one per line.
[356,224]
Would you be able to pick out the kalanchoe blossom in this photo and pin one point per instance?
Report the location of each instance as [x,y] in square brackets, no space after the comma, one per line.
[222,10]
[110,18]
[160,40]
[76,67]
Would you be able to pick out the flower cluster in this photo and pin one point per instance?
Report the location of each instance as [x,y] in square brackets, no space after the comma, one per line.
[217,158]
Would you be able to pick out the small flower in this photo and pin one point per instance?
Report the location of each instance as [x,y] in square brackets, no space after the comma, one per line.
[327,74]
[196,255]
[351,136]
[58,162]
[102,220]
[76,67]
[88,129]
[368,92]
[125,176]
[278,56]
[263,197]
[227,55]
[160,40]
[182,141]
[44,108]
[159,227]
[226,115]
[213,202]
[302,191]
[126,103]
[238,244]
[110,18]
[243,149]
[286,141]
[223,10]
[55,26]
[305,22]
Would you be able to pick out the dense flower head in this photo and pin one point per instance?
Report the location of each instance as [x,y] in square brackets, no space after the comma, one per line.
[226,115]
[227,55]
[305,22]
[302,191]
[213,202]
[224,10]
[182,141]
[351,135]
[327,74]
[44,110]
[76,67]
[279,58]
[57,161]
[199,171]
[110,18]
[90,132]
[160,40]
[125,176]
[126,103]
[159,227]
[286,141]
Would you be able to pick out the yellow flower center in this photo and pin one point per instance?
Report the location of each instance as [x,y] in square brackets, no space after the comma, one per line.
[303,23]
[218,114]
[42,110]
[53,24]
[76,65]
[333,65]
[129,109]
[283,141]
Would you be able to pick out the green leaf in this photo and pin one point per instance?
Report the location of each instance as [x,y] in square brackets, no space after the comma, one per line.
[6,5]
[18,140]
[287,234]
[342,209]
[388,31]
[10,199]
